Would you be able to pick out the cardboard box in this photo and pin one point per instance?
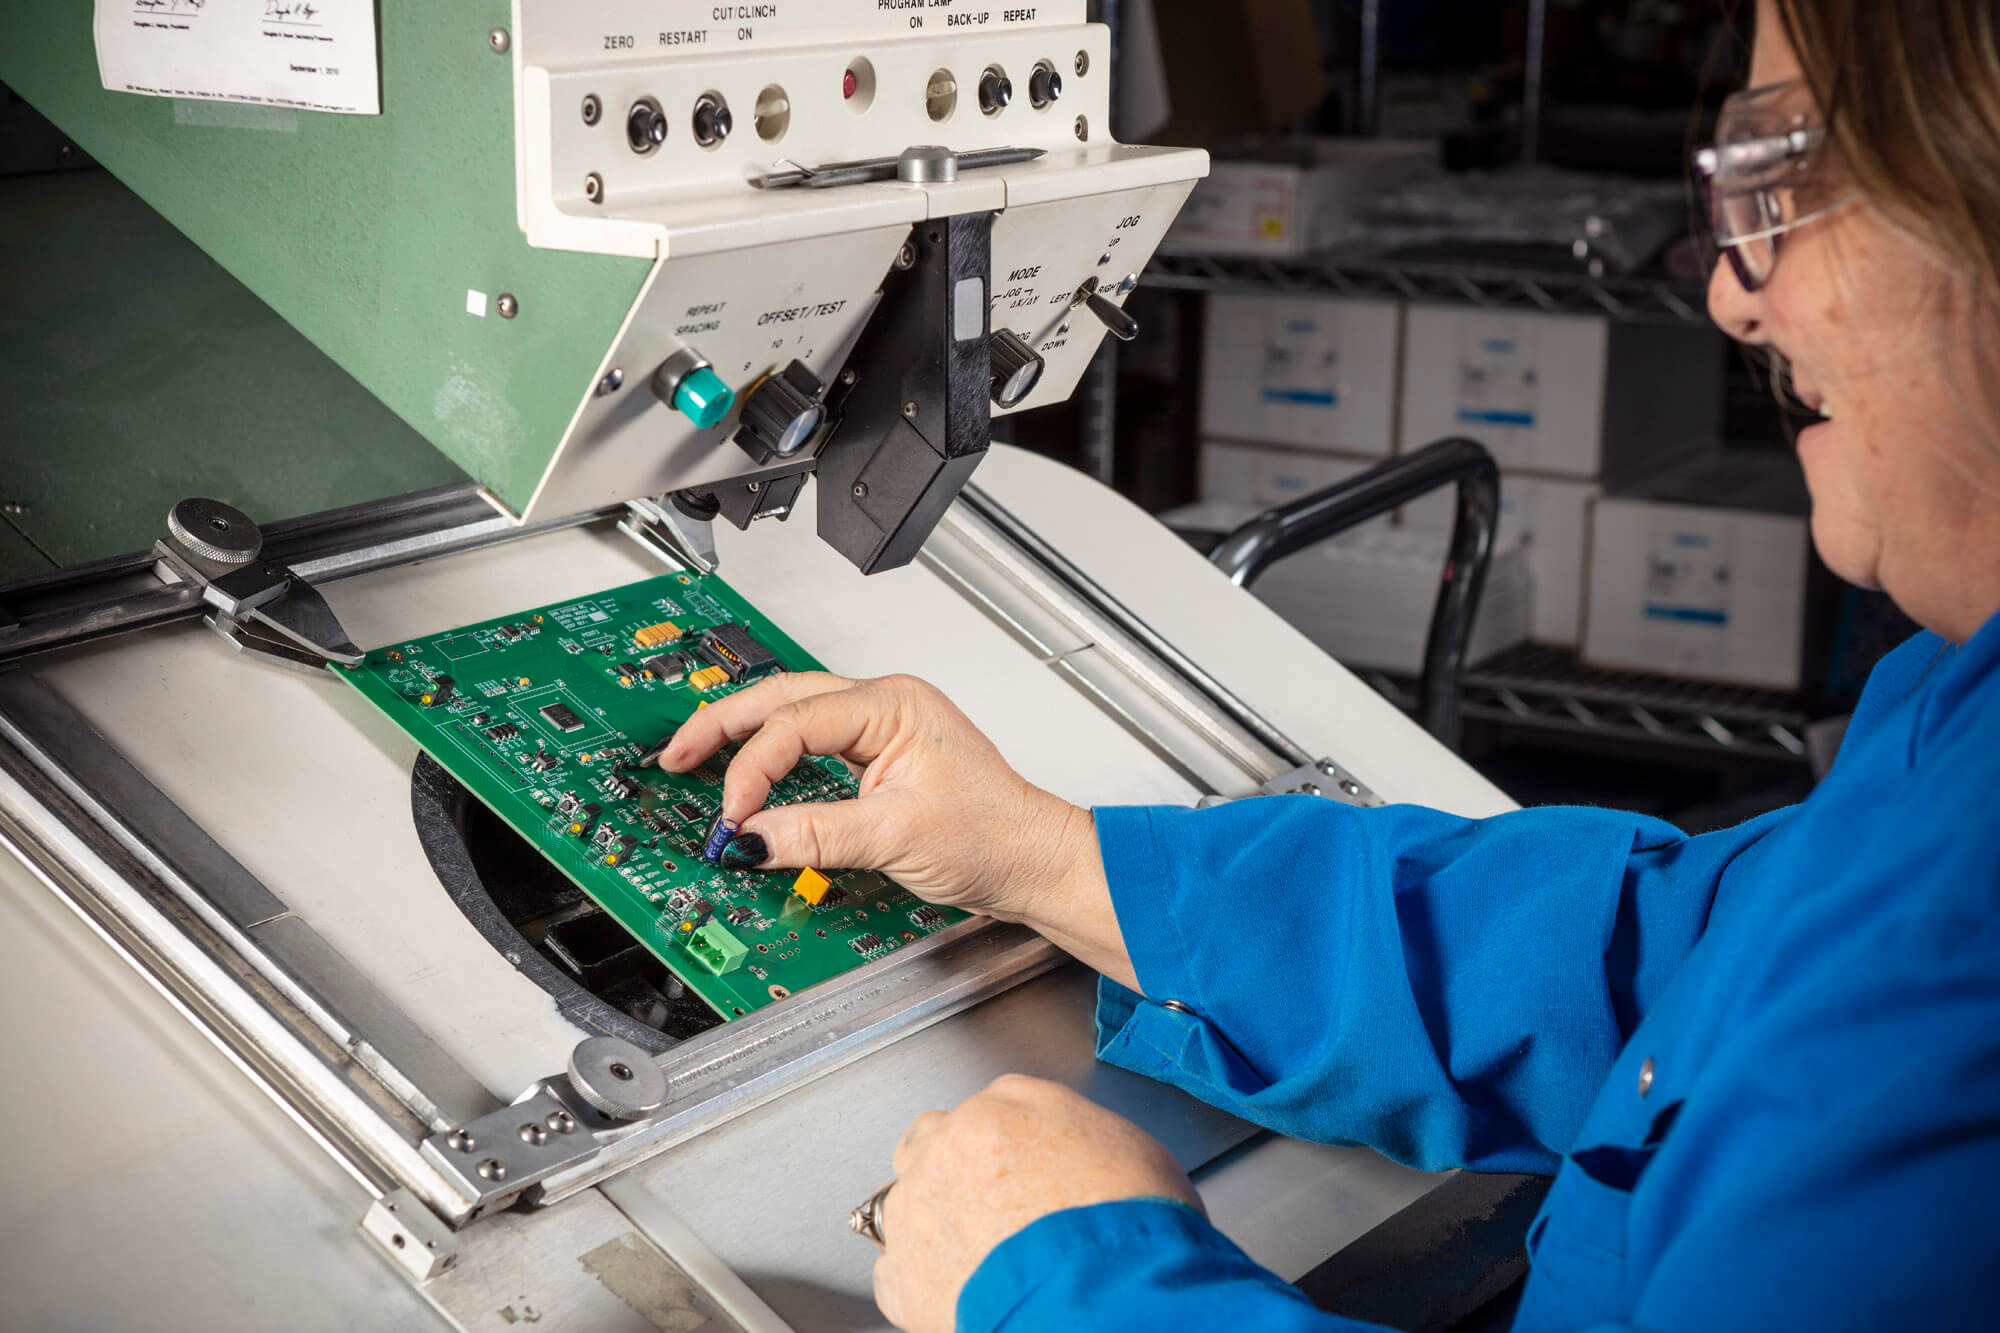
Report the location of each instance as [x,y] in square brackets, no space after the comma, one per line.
[1307,372]
[1256,475]
[1247,67]
[1548,519]
[1700,589]
[1287,198]
[1562,395]
[1367,597]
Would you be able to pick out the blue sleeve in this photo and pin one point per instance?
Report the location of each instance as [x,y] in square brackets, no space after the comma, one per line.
[1450,992]
[1138,1264]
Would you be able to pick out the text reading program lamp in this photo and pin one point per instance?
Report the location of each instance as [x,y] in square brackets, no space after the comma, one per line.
[507,1015]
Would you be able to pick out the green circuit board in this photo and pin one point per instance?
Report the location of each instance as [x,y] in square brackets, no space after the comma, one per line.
[543,714]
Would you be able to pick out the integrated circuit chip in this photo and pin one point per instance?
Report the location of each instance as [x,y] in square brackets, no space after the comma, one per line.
[562,717]
[736,650]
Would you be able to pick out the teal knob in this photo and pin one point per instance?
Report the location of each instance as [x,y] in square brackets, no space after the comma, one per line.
[703,398]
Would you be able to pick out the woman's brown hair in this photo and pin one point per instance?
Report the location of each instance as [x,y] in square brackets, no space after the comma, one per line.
[1910,92]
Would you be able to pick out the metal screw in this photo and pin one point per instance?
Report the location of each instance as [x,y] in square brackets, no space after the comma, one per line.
[906,258]
[860,490]
[1082,63]
[499,41]
[621,1071]
[910,410]
[1131,280]
[492,1170]
[613,380]
[593,188]
[14,507]
[1350,786]
[1082,129]
[1646,1076]
[753,486]
[507,305]
[562,1122]
[66,152]
[1327,767]
[847,377]
[534,1135]
[462,1141]
[592,108]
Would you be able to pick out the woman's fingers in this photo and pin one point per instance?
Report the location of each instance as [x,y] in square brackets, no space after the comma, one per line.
[740,714]
[832,835]
[839,722]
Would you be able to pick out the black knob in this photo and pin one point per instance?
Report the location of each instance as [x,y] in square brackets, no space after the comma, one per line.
[1123,327]
[1044,86]
[782,414]
[712,121]
[1017,367]
[645,125]
[996,90]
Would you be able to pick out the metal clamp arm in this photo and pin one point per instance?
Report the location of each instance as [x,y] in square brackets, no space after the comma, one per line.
[1249,550]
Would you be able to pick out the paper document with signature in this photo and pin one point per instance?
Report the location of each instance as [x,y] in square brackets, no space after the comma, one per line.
[312,55]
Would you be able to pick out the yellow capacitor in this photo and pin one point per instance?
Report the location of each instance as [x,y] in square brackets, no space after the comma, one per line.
[811,885]
[708,678]
[652,636]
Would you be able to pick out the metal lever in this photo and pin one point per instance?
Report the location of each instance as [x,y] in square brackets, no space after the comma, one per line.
[1246,552]
[1123,327]
[260,606]
[883,169]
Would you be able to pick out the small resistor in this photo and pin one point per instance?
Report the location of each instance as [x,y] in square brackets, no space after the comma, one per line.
[719,835]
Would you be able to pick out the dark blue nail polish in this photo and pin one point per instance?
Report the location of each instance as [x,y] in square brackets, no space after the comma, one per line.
[745,851]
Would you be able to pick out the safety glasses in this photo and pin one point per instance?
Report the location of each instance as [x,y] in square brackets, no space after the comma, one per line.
[1765,174]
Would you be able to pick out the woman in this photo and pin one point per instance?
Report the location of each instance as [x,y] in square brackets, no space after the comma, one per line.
[1764,1063]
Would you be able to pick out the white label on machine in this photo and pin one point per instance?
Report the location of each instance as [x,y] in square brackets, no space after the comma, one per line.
[314,55]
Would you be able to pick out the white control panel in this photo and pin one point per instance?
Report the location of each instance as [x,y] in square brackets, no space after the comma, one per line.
[695,134]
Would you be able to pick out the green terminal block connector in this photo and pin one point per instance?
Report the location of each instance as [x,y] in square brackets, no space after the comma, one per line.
[716,949]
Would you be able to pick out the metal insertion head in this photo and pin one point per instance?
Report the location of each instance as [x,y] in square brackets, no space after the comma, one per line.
[927,164]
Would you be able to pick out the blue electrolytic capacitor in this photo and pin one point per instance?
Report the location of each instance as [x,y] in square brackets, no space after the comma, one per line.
[719,834]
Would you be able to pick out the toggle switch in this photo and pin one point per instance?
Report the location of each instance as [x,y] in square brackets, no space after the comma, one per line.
[1044,86]
[1017,368]
[645,126]
[1123,327]
[996,90]
[688,384]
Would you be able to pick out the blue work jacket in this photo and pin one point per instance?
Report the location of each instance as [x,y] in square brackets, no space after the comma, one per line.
[1763,1064]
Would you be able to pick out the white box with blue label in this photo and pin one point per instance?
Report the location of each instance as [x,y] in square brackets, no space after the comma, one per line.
[1696,590]
[1561,395]
[1548,519]
[1306,372]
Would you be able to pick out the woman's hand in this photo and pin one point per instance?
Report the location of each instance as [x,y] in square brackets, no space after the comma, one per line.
[939,810]
[969,1179]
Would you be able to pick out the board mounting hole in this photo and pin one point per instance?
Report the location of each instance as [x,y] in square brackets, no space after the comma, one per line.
[622,1071]
[779,992]
[739,1012]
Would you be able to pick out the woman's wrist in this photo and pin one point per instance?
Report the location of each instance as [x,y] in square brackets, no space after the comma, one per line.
[1063,893]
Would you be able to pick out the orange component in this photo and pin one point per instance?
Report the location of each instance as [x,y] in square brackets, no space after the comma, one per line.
[811,886]
[652,636]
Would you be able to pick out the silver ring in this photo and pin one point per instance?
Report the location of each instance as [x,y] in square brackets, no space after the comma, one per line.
[866,1220]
